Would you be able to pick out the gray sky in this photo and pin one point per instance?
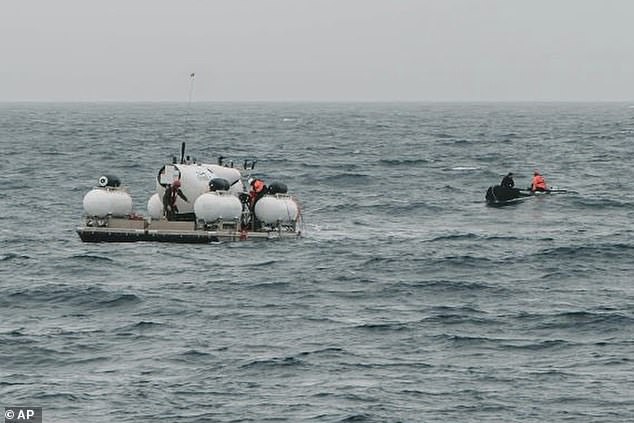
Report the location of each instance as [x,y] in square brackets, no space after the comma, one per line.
[317,50]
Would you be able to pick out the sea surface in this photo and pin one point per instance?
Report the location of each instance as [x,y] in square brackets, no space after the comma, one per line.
[407,299]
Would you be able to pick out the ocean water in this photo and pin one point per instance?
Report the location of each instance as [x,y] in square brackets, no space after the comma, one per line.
[407,299]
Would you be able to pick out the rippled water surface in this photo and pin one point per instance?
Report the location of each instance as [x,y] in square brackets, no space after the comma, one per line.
[407,300]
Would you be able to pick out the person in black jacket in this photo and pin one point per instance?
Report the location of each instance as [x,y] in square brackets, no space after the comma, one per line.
[507,181]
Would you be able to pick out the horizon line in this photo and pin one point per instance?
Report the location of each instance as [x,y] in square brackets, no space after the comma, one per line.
[352,101]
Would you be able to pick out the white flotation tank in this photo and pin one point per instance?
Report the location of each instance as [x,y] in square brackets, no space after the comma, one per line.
[195,179]
[212,206]
[271,209]
[155,207]
[104,201]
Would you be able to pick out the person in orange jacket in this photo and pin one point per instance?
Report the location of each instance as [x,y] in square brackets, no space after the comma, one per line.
[258,189]
[538,183]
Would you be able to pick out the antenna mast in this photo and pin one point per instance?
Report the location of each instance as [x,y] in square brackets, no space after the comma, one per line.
[188,115]
[191,87]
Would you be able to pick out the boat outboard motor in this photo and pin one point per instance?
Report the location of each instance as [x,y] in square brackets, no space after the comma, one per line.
[490,197]
[219,184]
[109,181]
[277,188]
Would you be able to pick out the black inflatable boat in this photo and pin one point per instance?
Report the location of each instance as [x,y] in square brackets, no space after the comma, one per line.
[498,195]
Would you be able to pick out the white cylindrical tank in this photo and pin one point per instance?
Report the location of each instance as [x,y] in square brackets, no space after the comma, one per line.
[212,206]
[281,208]
[155,207]
[195,179]
[101,202]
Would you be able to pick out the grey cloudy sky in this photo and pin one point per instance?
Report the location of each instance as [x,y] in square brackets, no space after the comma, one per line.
[317,50]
